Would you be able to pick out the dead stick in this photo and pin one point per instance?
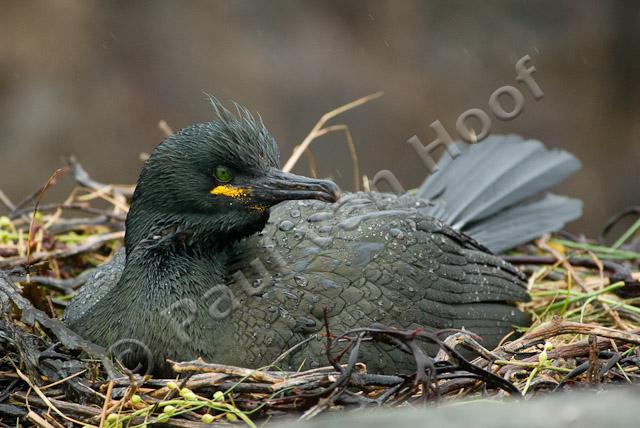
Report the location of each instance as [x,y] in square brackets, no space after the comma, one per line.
[91,244]
[36,419]
[67,337]
[200,366]
[558,326]
[105,406]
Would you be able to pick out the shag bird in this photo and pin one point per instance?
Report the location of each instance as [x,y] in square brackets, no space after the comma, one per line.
[230,259]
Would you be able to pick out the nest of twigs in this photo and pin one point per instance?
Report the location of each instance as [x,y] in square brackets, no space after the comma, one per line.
[585,334]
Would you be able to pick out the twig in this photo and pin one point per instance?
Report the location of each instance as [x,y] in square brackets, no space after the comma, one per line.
[558,326]
[44,397]
[77,410]
[295,347]
[6,201]
[92,243]
[36,419]
[58,382]
[81,176]
[311,160]
[352,150]
[319,130]
[165,128]
[594,363]
[50,181]
[200,366]
[105,406]
[67,337]
[80,206]
[618,271]
[564,261]
[615,220]
[64,285]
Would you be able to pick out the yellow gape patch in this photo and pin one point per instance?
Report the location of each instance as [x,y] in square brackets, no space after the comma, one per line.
[259,208]
[230,191]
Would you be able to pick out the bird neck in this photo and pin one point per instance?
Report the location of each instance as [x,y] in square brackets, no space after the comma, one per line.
[210,230]
[156,239]
[168,257]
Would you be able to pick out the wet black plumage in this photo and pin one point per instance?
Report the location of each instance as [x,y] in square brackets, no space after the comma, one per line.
[220,269]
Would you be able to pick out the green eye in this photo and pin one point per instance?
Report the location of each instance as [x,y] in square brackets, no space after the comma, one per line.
[223,174]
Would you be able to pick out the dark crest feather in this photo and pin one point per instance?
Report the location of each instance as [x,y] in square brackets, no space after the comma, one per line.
[243,127]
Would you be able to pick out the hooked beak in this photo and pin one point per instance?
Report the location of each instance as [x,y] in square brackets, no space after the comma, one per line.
[278,186]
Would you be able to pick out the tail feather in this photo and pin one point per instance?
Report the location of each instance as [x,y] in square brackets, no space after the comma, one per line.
[484,190]
[525,222]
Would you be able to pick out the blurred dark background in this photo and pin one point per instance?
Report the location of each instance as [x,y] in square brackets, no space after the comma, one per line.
[93,78]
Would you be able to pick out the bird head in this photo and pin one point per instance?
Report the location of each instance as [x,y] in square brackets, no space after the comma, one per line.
[218,179]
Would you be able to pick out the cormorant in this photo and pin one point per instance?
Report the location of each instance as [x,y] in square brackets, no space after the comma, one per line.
[230,259]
